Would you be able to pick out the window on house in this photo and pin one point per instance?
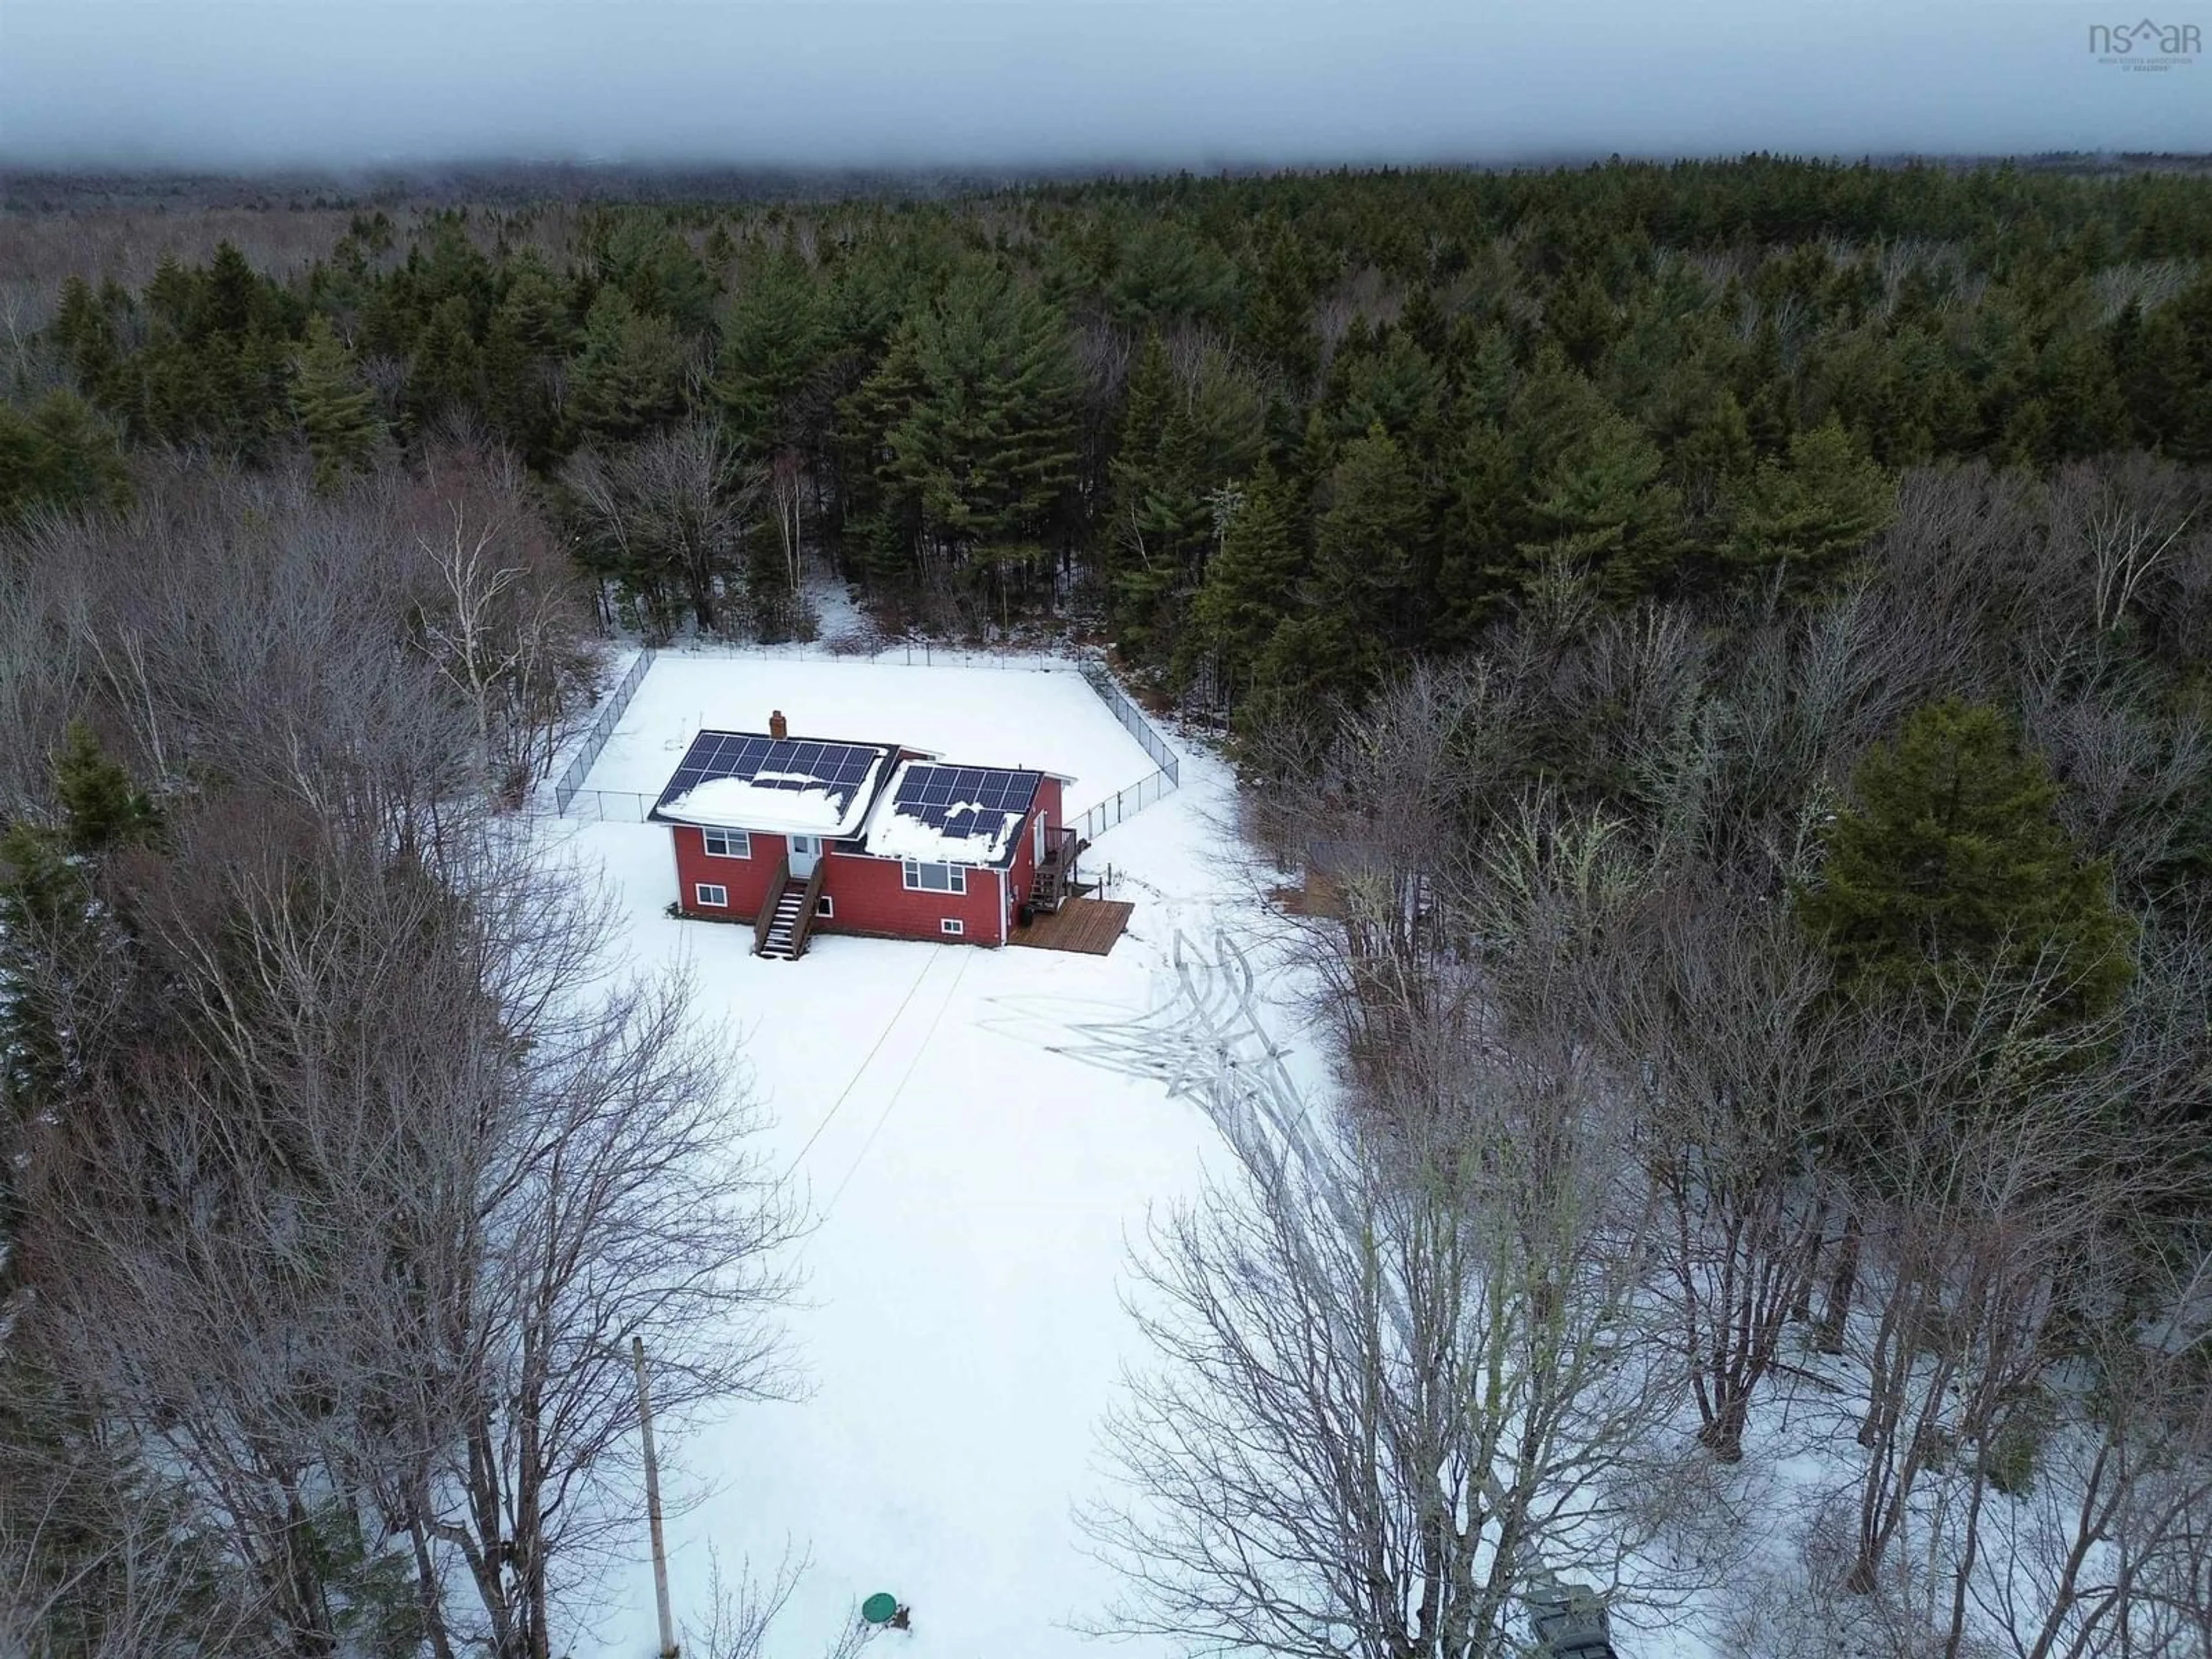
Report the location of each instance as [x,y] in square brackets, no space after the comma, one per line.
[729,844]
[952,925]
[711,896]
[936,878]
[825,906]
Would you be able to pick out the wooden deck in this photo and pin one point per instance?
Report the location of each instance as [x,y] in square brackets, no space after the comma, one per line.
[1088,925]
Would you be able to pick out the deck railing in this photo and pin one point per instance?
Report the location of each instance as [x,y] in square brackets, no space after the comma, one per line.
[1055,876]
[776,884]
[804,924]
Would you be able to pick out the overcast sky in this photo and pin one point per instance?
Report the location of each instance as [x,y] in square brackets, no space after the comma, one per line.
[321,82]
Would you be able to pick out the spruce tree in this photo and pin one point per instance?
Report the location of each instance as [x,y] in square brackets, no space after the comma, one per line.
[525,342]
[335,407]
[1398,388]
[446,372]
[1314,666]
[1950,861]
[101,807]
[1185,438]
[1278,311]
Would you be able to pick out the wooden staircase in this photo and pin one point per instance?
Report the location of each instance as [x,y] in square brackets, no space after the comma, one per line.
[781,941]
[1055,876]
[781,929]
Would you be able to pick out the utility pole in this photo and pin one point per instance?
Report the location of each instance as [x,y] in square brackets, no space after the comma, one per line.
[653,1502]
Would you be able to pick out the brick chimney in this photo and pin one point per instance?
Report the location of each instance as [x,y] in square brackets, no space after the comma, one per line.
[777,726]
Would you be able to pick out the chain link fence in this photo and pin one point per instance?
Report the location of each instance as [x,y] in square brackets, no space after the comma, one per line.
[570,785]
[1124,708]
[1127,803]
[608,807]
[1123,804]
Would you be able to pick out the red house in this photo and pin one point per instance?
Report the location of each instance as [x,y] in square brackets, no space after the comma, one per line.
[799,836]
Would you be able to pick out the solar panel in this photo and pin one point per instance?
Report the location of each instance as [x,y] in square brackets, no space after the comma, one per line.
[962,800]
[786,764]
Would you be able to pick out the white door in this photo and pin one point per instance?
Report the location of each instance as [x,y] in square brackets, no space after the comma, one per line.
[804,850]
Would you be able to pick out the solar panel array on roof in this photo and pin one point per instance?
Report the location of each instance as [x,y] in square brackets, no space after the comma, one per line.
[793,764]
[961,800]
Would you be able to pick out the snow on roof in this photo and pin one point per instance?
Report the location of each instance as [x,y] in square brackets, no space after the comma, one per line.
[939,814]
[779,786]
[978,837]
[735,804]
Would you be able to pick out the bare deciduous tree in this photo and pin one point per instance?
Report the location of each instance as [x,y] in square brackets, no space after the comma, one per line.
[2105,1551]
[666,517]
[1992,1174]
[1398,1379]
[1725,1032]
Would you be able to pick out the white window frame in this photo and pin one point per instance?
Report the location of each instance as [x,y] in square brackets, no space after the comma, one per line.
[955,876]
[826,907]
[736,843]
[952,928]
[720,901]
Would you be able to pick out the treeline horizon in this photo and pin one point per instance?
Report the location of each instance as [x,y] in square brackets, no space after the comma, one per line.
[47,184]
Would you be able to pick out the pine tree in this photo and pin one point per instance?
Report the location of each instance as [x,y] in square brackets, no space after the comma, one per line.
[1367,541]
[336,408]
[628,376]
[1602,509]
[1950,861]
[1802,519]
[988,447]
[1249,590]
[84,328]
[60,456]
[775,334]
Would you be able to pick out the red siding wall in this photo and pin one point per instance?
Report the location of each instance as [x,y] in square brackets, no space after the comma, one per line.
[746,878]
[871,896]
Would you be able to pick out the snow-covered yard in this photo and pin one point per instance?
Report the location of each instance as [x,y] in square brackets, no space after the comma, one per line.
[961,1325]
[1040,717]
